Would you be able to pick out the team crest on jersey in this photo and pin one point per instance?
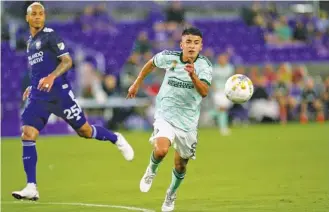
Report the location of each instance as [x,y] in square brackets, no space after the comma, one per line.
[173,65]
[61,46]
[38,45]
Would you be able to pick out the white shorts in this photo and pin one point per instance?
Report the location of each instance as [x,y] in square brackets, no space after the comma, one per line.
[183,142]
[220,100]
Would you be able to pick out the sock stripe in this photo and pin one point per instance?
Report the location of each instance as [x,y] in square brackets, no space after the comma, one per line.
[155,161]
[178,175]
[28,143]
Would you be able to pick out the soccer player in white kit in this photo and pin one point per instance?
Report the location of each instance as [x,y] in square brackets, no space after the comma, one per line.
[222,71]
[186,82]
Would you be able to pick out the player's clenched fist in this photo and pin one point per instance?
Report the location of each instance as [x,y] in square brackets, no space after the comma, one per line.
[190,69]
[132,91]
[46,83]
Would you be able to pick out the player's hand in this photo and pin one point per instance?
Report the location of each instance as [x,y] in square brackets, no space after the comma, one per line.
[27,93]
[46,83]
[190,68]
[132,91]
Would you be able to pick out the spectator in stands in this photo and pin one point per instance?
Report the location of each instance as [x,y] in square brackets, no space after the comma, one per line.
[254,73]
[129,72]
[87,18]
[262,106]
[322,24]
[294,95]
[252,15]
[175,15]
[240,70]
[269,73]
[325,98]
[282,31]
[234,58]
[300,32]
[311,104]
[143,46]
[94,84]
[4,28]
[210,54]
[103,20]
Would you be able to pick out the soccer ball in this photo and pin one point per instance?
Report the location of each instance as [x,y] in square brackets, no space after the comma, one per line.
[239,88]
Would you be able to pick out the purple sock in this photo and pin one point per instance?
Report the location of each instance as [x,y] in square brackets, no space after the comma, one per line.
[30,158]
[102,134]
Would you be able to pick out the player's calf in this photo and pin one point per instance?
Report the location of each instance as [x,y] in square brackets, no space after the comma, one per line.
[102,134]
[161,147]
[29,157]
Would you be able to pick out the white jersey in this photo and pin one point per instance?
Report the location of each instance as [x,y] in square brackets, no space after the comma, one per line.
[178,102]
[221,75]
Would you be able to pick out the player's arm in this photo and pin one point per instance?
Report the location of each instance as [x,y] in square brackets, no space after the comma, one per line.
[46,83]
[64,66]
[147,68]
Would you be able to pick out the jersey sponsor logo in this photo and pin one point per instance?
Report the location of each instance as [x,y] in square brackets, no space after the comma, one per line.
[175,82]
[61,46]
[36,58]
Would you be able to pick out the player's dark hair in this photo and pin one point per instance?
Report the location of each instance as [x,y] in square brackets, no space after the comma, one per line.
[192,31]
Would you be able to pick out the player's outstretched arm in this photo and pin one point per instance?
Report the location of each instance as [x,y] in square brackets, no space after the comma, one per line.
[200,86]
[147,68]
[46,83]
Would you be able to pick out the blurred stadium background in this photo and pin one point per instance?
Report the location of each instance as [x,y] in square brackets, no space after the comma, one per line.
[282,46]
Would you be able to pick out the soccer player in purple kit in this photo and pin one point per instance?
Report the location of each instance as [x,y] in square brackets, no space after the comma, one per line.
[49,93]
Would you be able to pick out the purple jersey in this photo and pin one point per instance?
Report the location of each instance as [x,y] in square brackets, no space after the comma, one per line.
[43,51]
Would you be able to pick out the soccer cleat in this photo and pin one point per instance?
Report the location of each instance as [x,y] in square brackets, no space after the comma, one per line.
[169,202]
[146,182]
[30,192]
[125,148]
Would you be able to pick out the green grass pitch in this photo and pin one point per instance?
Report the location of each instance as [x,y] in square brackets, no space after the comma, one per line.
[259,168]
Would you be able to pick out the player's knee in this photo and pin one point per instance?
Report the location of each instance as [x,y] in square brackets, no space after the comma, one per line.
[161,152]
[29,133]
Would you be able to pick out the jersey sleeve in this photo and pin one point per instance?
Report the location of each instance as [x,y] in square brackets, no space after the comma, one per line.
[206,74]
[57,44]
[161,59]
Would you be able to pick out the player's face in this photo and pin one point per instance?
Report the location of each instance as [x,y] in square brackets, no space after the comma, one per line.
[191,45]
[36,18]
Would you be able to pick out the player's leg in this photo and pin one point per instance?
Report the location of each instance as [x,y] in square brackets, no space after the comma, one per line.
[303,113]
[222,105]
[178,174]
[161,147]
[70,111]
[161,138]
[318,106]
[34,118]
[185,146]
[103,134]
